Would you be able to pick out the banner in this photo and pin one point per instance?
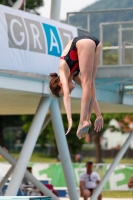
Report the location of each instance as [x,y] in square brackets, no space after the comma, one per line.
[30,43]
[119,178]
[53,173]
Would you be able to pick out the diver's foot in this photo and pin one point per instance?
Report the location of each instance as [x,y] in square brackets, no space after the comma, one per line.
[83,129]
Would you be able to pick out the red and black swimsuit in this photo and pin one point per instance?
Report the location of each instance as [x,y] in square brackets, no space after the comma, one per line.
[72,57]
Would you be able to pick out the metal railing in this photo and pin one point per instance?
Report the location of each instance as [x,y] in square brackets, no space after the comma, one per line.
[120,47]
[114,53]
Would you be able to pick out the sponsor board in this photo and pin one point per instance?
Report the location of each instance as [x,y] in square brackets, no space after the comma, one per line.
[53,173]
[30,43]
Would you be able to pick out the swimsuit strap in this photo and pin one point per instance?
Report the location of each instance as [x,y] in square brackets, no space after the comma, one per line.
[62,57]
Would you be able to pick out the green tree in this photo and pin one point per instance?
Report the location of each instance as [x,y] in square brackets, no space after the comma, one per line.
[74,144]
[7,121]
[47,135]
[31,5]
[110,57]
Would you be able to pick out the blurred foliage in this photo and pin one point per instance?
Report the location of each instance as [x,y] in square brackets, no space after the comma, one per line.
[31,5]
[8,121]
[74,144]
[110,57]
[47,135]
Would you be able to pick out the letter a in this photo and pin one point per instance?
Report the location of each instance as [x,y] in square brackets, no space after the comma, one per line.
[54,42]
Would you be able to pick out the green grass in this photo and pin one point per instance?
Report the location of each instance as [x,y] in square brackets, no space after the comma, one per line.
[118,194]
[36,157]
[123,161]
[41,157]
[106,161]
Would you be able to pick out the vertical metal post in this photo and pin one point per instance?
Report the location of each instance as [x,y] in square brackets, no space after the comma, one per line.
[120,44]
[88,22]
[132,56]
[24,5]
[28,147]
[101,40]
[55,10]
[63,149]
[112,167]
[123,52]
[67,18]
[29,176]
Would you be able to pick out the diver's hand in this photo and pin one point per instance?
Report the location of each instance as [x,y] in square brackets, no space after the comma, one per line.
[69,125]
[98,125]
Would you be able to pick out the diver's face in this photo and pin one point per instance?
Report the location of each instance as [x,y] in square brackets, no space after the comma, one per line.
[71,86]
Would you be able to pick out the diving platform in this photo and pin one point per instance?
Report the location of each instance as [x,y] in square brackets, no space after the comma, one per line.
[30,47]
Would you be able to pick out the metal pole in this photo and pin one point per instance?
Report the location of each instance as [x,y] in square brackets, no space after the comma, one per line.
[47,120]
[48,117]
[55,10]
[120,44]
[67,21]
[63,149]
[29,176]
[123,53]
[88,22]
[2,183]
[28,147]
[112,167]
[24,5]
[99,11]
[101,40]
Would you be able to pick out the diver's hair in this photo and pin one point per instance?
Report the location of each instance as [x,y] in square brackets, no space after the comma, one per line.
[53,84]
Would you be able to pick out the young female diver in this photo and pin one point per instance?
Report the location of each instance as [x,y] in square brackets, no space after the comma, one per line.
[80,55]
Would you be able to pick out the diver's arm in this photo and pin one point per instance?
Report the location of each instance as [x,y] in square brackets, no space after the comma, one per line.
[96,108]
[98,124]
[66,99]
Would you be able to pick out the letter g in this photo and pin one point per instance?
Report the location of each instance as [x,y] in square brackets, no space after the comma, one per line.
[19,43]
